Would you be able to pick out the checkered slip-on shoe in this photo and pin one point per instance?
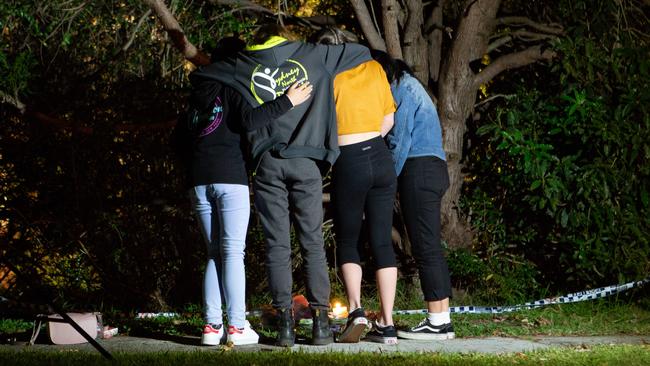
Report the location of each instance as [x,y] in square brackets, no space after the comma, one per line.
[384,335]
[426,331]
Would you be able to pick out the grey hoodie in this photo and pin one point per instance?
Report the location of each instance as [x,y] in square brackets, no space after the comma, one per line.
[262,73]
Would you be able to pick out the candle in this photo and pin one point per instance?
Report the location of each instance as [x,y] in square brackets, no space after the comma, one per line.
[339,311]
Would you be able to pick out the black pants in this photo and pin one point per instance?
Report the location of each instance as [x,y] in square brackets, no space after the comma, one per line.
[422,183]
[364,180]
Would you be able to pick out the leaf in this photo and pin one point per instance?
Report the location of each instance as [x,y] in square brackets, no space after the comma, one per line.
[485,129]
[535,184]
[67,40]
[564,218]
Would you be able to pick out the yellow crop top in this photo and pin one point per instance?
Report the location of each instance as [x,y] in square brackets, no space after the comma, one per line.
[363,98]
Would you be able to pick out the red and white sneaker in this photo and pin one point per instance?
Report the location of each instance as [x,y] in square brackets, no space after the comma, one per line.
[212,334]
[242,336]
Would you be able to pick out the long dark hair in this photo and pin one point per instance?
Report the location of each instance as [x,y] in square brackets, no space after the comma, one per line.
[333,36]
[394,68]
[268,30]
[227,47]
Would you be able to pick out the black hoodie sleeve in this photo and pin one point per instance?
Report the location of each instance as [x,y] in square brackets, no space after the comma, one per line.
[343,57]
[258,117]
[222,71]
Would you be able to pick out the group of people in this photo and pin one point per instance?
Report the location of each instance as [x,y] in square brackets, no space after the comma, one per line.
[288,111]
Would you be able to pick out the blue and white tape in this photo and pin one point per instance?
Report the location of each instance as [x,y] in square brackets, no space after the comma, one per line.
[586,295]
[597,293]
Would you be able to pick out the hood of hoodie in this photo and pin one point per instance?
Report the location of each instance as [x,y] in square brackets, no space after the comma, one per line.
[264,72]
[274,69]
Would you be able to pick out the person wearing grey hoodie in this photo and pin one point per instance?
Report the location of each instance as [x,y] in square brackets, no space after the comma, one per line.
[289,156]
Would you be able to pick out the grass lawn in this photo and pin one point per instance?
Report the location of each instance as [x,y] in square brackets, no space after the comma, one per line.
[597,355]
[601,317]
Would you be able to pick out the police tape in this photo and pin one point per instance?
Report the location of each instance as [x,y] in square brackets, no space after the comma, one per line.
[586,295]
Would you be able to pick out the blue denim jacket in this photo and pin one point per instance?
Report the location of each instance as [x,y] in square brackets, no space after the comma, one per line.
[417,129]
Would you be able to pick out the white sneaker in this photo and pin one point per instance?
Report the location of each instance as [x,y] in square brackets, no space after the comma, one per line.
[212,334]
[242,336]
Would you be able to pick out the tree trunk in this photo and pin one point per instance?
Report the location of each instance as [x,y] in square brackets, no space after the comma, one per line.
[365,21]
[420,45]
[433,31]
[390,10]
[415,46]
[457,93]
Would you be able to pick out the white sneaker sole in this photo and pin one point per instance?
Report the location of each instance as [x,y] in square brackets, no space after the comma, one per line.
[243,342]
[425,336]
[211,340]
[353,334]
[383,340]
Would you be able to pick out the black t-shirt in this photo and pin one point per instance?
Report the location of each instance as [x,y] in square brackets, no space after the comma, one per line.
[210,137]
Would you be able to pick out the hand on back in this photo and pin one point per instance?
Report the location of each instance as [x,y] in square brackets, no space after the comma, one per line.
[299,92]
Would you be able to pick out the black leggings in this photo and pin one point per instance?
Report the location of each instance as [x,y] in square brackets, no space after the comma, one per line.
[364,181]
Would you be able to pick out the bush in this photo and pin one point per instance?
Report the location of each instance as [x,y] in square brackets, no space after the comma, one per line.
[561,172]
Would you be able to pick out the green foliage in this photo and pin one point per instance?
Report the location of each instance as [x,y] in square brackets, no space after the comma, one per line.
[495,280]
[93,206]
[10,326]
[568,166]
[93,210]
[15,74]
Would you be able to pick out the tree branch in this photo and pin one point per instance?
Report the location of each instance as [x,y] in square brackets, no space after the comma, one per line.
[521,34]
[491,98]
[135,30]
[365,21]
[498,43]
[390,10]
[87,131]
[374,17]
[433,32]
[14,101]
[248,5]
[314,22]
[169,22]
[523,21]
[414,46]
[76,11]
[68,125]
[512,61]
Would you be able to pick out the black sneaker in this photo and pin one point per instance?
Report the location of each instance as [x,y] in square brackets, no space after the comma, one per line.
[356,324]
[385,335]
[427,331]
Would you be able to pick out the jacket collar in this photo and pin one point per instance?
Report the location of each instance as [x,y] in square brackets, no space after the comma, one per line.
[271,42]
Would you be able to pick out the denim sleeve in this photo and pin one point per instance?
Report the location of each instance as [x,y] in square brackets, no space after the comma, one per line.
[399,138]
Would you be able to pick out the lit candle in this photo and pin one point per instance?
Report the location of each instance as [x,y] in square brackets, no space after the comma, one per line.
[339,311]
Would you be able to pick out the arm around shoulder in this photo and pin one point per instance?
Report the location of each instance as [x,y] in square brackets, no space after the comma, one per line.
[261,116]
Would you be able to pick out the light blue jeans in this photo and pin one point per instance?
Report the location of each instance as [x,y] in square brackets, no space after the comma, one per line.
[223,211]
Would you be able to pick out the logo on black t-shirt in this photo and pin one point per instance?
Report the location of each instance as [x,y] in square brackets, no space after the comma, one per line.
[211,119]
